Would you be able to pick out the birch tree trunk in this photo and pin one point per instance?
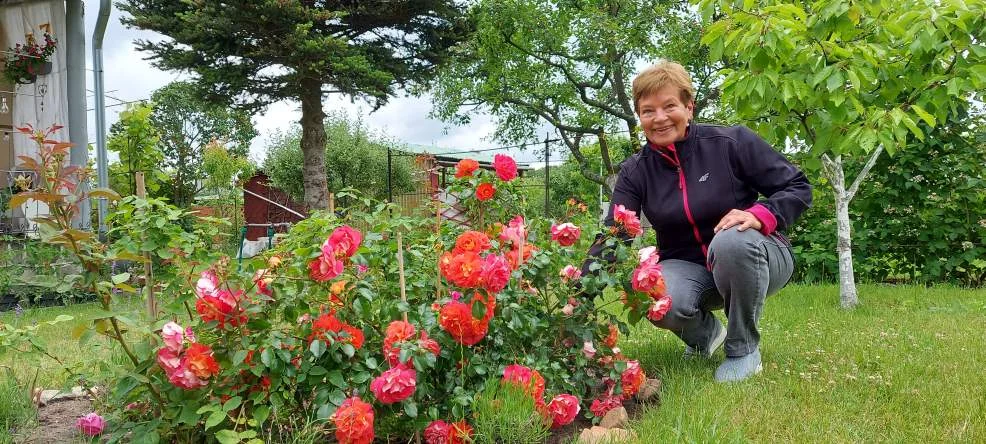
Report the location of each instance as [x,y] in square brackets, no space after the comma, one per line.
[835,173]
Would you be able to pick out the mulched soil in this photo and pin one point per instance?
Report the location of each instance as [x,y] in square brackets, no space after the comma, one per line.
[56,422]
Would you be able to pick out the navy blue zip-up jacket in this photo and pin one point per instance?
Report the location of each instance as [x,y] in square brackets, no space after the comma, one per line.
[686,189]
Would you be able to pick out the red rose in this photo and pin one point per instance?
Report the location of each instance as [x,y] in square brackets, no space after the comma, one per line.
[632,378]
[198,358]
[505,166]
[460,433]
[465,168]
[472,241]
[565,234]
[628,219]
[485,191]
[437,432]
[456,318]
[601,406]
[354,422]
[394,385]
[531,381]
[563,409]
[464,270]
[341,331]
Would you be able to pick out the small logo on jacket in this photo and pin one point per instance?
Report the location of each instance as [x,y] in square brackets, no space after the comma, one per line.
[704,177]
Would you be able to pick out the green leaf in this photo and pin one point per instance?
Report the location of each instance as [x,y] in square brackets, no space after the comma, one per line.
[317,348]
[120,278]
[214,419]
[325,411]
[335,377]
[232,403]
[349,350]
[227,437]
[411,408]
[260,414]
[924,115]
[239,357]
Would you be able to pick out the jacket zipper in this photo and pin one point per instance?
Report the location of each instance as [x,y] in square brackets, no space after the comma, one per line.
[684,197]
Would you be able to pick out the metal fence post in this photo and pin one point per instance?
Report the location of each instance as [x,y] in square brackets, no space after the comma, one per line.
[547,179]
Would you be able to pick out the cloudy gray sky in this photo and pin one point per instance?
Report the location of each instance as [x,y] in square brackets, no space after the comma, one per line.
[128,77]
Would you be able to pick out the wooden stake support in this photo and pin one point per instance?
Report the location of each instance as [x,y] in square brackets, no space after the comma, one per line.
[400,268]
[148,271]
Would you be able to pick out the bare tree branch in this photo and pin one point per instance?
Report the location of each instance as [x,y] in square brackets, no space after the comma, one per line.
[865,172]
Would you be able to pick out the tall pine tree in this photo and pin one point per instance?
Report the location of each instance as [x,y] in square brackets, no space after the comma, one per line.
[251,53]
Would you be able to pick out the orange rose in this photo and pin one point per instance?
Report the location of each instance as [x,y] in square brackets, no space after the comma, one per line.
[198,358]
[485,191]
[465,168]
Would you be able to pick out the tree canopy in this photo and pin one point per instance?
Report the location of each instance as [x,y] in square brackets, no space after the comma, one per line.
[252,53]
[187,124]
[569,64]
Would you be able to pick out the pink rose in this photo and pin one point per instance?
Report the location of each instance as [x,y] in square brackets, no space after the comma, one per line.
[456,295]
[647,253]
[361,269]
[628,219]
[569,272]
[505,166]
[343,242]
[515,231]
[437,432]
[91,424]
[588,349]
[189,334]
[207,284]
[168,359]
[659,308]
[563,409]
[394,385]
[565,234]
[184,378]
[648,278]
[495,273]
[324,268]
[568,309]
[173,336]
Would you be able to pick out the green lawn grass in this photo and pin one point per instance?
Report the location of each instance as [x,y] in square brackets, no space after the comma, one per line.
[906,366]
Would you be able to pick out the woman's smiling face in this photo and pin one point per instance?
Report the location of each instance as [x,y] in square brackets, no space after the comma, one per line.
[663,116]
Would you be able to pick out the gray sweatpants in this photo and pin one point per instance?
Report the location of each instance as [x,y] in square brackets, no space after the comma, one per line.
[746,267]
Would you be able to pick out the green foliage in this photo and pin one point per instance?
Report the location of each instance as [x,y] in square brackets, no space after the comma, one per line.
[843,77]
[135,140]
[253,53]
[187,125]
[569,64]
[354,158]
[918,221]
[16,406]
[504,413]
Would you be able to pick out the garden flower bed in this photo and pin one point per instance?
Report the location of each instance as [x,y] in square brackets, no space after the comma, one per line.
[406,327]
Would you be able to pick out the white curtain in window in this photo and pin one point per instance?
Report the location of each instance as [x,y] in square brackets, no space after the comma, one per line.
[44,102]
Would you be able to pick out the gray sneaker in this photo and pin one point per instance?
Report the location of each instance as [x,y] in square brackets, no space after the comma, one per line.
[738,369]
[708,351]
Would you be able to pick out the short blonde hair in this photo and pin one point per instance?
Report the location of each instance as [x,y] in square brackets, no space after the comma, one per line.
[659,75]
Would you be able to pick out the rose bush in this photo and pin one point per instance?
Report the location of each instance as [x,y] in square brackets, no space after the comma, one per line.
[321,328]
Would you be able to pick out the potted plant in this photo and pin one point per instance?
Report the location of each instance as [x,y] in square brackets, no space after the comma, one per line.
[26,61]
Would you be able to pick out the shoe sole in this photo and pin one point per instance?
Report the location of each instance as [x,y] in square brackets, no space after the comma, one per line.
[717,342]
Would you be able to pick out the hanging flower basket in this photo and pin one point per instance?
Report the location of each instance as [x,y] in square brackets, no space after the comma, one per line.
[25,62]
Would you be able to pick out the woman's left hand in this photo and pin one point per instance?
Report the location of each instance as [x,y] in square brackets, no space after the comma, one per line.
[744,220]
